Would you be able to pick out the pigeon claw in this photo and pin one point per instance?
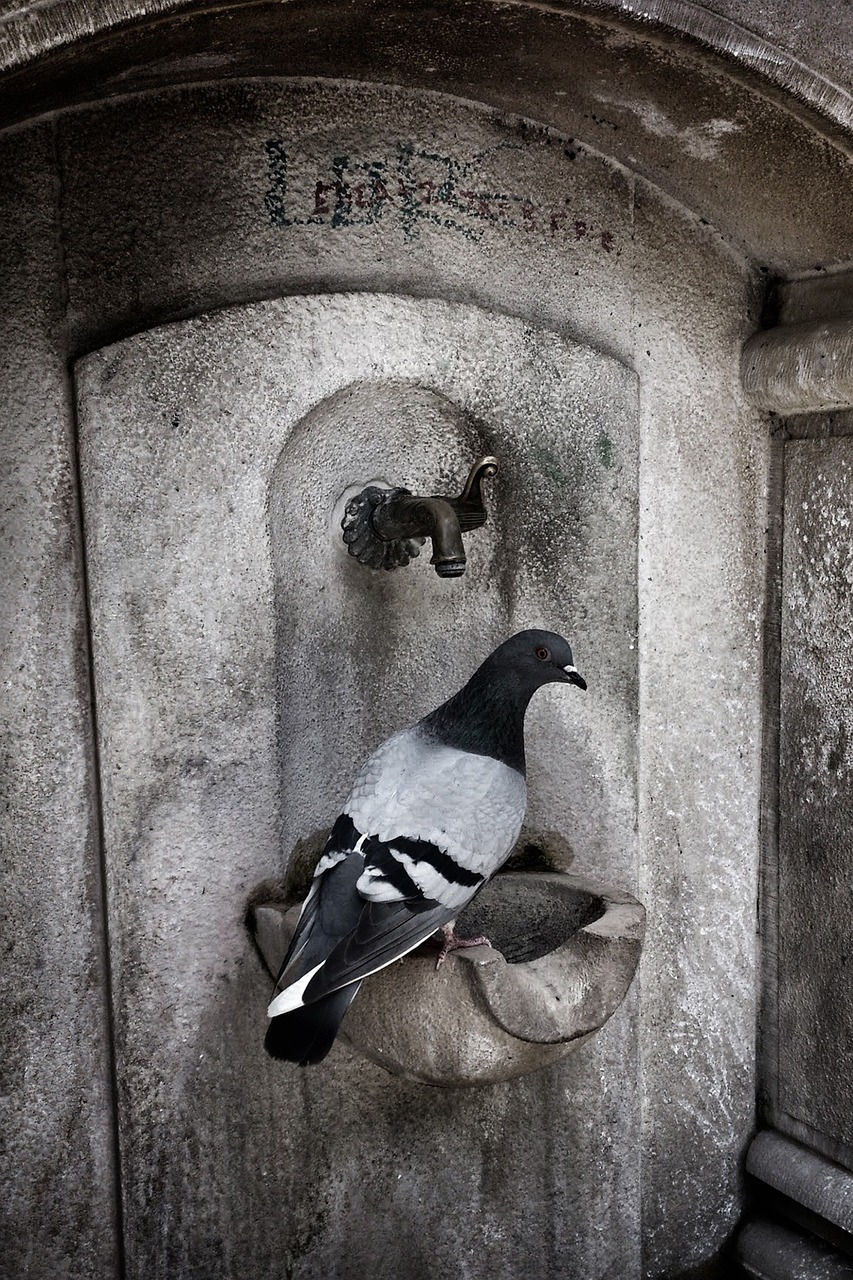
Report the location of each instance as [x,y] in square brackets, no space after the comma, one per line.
[454,943]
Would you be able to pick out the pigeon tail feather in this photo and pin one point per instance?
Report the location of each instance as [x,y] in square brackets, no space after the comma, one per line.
[291,997]
[386,932]
[306,1035]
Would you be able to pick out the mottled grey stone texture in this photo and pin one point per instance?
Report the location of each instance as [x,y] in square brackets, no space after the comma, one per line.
[700,712]
[57,1205]
[332,187]
[245,665]
[801,50]
[819,1185]
[815,298]
[770,1251]
[815,949]
[646,297]
[624,1160]
[801,368]
[653,109]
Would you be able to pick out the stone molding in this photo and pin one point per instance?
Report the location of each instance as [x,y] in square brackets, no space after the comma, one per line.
[768,1251]
[801,368]
[32,30]
[814,1182]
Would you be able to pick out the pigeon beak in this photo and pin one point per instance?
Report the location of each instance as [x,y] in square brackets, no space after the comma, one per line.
[575,677]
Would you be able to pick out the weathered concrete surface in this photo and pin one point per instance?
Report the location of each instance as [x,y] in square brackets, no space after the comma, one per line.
[662,113]
[314,188]
[800,50]
[769,1251]
[165,210]
[815,36]
[703,466]
[58,1202]
[801,368]
[803,1176]
[815,298]
[245,665]
[815,999]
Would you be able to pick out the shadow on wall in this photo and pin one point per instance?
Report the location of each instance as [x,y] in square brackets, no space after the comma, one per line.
[558,549]
[350,641]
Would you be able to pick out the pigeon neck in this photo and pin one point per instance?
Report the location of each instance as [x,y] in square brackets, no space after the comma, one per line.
[485,718]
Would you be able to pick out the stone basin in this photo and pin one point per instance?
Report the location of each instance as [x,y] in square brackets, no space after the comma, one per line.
[564,951]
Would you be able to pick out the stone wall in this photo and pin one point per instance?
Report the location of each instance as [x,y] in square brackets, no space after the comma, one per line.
[624,1160]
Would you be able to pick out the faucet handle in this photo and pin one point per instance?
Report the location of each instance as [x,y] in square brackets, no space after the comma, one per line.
[470,506]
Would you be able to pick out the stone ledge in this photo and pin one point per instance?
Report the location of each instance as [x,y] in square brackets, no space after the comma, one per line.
[486,1017]
[770,1251]
[801,368]
[808,1179]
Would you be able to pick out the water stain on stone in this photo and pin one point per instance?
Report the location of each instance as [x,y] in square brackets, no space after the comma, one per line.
[604,445]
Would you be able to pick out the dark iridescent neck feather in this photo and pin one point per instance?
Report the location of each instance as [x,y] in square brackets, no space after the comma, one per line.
[485,718]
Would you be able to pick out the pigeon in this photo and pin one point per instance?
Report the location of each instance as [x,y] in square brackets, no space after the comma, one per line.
[433,814]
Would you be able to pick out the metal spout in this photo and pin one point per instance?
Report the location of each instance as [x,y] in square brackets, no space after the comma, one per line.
[406,516]
[385,528]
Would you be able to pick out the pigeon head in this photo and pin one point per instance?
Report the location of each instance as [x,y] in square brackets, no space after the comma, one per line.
[487,715]
[532,658]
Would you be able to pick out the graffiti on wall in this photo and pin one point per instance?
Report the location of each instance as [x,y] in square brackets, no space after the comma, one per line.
[414,188]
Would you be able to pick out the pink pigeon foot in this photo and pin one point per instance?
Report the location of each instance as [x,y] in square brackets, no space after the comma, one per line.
[453,943]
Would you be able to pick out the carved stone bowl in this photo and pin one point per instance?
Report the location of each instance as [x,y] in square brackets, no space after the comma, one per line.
[563,954]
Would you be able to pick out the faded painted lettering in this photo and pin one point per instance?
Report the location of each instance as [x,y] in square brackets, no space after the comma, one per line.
[417,187]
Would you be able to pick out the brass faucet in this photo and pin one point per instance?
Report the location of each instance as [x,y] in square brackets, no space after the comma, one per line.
[386,528]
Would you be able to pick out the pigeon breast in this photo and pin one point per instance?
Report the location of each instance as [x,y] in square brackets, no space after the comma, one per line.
[453,814]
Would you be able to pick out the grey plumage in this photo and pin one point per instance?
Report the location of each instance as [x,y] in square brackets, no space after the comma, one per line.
[433,814]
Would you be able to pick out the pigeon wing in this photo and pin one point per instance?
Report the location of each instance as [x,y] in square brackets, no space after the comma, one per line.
[428,826]
[386,932]
[332,906]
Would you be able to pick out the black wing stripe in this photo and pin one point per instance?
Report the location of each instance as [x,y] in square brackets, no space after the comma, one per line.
[343,835]
[385,931]
[446,866]
[378,856]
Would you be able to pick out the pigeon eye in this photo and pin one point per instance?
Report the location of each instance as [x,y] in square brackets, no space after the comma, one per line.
[542,653]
